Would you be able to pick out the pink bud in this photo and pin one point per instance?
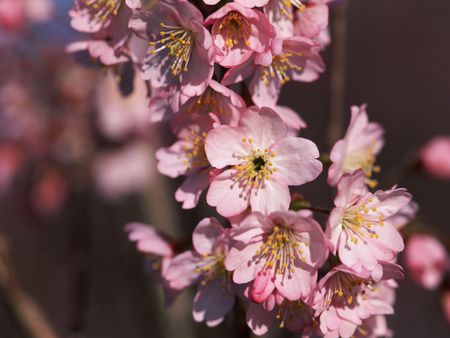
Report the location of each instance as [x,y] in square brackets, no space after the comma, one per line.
[435,157]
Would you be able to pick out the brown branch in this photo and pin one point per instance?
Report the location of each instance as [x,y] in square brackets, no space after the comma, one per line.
[25,310]
[338,73]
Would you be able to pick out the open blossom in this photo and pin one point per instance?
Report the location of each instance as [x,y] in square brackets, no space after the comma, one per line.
[187,157]
[281,251]
[204,266]
[108,39]
[435,157]
[344,300]
[427,260]
[261,161]
[358,149]
[359,227]
[293,58]
[181,50]
[238,32]
[296,316]
[222,102]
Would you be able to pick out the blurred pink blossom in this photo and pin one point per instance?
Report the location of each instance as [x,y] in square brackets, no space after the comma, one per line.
[435,157]
[427,259]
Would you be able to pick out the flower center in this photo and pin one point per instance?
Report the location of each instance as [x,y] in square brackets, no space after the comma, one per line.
[178,41]
[363,159]
[292,311]
[235,29]
[344,288]
[281,249]
[207,103]
[280,67]
[104,8]
[256,167]
[212,267]
[359,222]
[195,150]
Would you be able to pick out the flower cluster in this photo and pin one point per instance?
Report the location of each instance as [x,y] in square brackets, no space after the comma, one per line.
[214,72]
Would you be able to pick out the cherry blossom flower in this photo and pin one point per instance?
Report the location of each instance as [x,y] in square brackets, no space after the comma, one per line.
[181,50]
[238,32]
[281,251]
[245,3]
[312,19]
[435,157]
[187,157]
[204,266]
[294,58]
[358,149]
[427,260]
[343,300]
[359,227]
[296,316]
[261,161]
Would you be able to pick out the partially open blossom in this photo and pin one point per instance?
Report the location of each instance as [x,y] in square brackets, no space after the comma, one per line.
[293,58]
[435,157]
[281,251]
[343,300]
[204,265]
[359,227]
[152,243]
[358,149]
[262,162]
[187,157]
[295,316]
[427,259]
[238,32]
[181,51]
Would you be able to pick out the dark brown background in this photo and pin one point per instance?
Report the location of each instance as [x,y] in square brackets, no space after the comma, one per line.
[88,278]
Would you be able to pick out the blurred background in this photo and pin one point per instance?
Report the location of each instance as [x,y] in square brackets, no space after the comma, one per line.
[76,165]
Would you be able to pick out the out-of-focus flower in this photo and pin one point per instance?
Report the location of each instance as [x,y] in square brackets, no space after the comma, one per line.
[181,50]
[282,251]
[427,260]
[238,32]
[312,19]
[125,171]
[343,299]
[359,227]
[296,316]
[204,266]
[263,162]
[294,58]
[435,157]
[121,116]
[358,149]
[49,192]
[12,14]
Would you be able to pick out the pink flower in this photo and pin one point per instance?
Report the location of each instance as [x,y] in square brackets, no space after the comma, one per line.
[245,3]
[152,243]
[181,50]
[222,102]
[121,116]
[204,266]
[427,260]
[293,121]
[435,157]
[360,228]
[293,58]
[343,300]
[109,39]
[282,251]
[296,316]
[358,149]
[261,161]
[312,19]
[187,157]
[125,171]
[12,15]
[238,32]
[91,16]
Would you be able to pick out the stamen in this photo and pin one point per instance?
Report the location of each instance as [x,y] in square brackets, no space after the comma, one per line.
[235,28]
[256,167]
[103,9]
[195,151]
[280,68]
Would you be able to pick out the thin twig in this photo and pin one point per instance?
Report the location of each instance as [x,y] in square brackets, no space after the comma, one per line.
[26,311]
